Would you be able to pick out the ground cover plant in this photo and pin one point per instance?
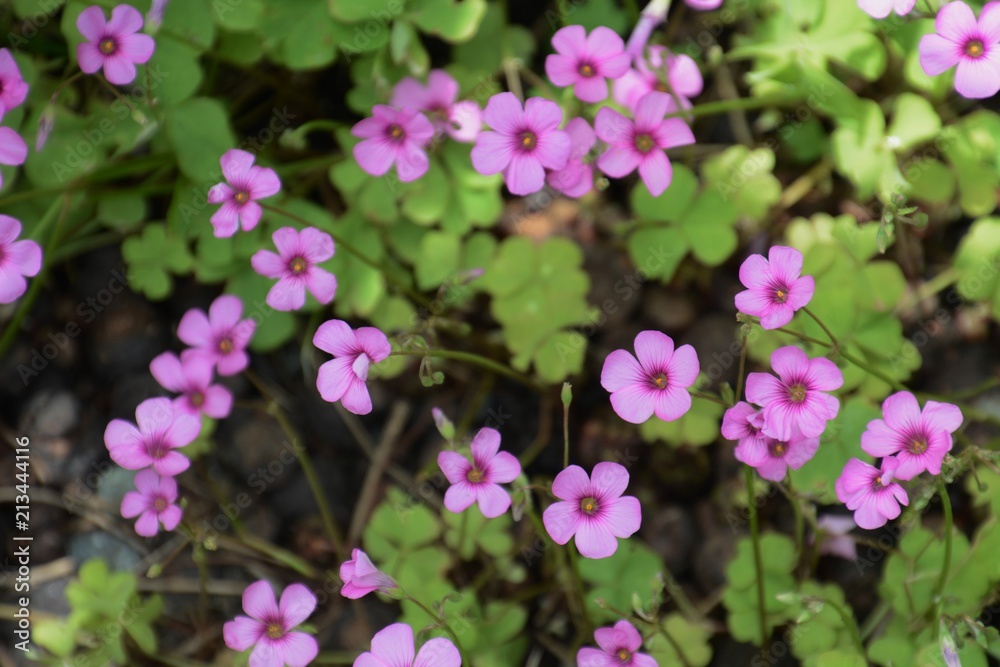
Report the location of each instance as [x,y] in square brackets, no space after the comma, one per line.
[428,333]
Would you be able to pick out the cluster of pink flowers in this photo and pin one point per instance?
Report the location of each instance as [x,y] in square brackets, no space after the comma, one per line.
[218,342]
[528,143]
[19,259]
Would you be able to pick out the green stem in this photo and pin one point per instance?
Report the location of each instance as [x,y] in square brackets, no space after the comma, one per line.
[797,511]
[743,365]
[725,106]
[875,618]
[946,565]
[444,625]
[757,558]
[709,398]
[565,436]
[339,240]
[471,358]
[850,623]
[833,339]
[581,594]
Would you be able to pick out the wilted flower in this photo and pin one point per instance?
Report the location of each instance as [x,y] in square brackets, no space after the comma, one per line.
[361,577]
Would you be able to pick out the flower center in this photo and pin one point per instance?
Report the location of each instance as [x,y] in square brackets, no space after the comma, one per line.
[659,380]
[107,46]
[644,143]
[623,655]
[974,48]
[242,197]
[297,265]
[781,294]
[588,505]
[778,449]
[528,140]
[197,399]
[661,87]
[226,345]
[156,449]
[475,476]
[918,445]
[797,393]
[275,631]
[395,132]
[160,504]
[587,70]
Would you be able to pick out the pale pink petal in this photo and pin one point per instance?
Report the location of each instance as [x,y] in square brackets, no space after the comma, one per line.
[789,361]
[764,388]
[226,220]
[954,21]
[225,312]
[989,22]
[643,660]
[524,174]
[609,479]
[393,645]
[454,466]
[632,638]
[901,411]
[671,403]
[249,215]
[124,19]
[267,653]
[878,9]
[166,369]
[572,483]
[137,48]
[755,272]
[118,69]
[492,153]
[287,294]
[460,496]
[944,416]
[170,517]
[607,639]
[553,149]
[621,370]
[504,468]
[120,433]
[800,451]
[685,77]
[173,463]
[656,172]
[571,41]
[634,404]
[316,246]
[683,367]
[595,540]
[886,504]
[824,374]
[442,89]
[409,93]
[785,263]
[673,132]
[937,54]
[979,78]
[581,137]
[465,120]
[321,284]
[493,500]
[89,57]
[650,111]
[357,399]
[879,439]
[485,446]
[619,161]
[259,602]
[133,504]
[334,378]
[297,603]
[591,89]
[337,338]
[148,524]
[438,652]
[300,649]
[801,292]
[25,257]
[268,264]
[562,70]
[612,127]
[504,113]
[242,633]
[561,520]
[13,150]
[91,23]
[236,165]
[622,516]
[374,343]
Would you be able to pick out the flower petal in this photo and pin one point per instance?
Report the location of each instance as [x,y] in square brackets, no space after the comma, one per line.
[259,602]
[438,652]
[561,520]
[241,633]
[297,603]
[493,500]
[634,404]
[300,649]
[393,645]
[337,338]
[595,540]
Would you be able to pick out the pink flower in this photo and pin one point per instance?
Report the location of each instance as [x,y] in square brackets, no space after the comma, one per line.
[772,458]
[295,267]
[343,378]
[618,648]
[586,61]
[393,136]
[918,439]
[652,15]
[221,336]
[161,429]
[971,45]
[879,9]
[871,493]
[392,646]
[269,626]
[245,184]
[796,400]
[18,259]
[479,481]
[361,577]
[524,142]
[661,71]
[577,177]
[13,150]
[835,538]
[13,89]
[155,15]
[657,382]
[191,376]
[460,120]
[641,144]
[775,290]
[154,503]
[703,5]
[115,45]
[593,509]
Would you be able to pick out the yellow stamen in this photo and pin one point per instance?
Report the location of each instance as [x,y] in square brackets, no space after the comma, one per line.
[107,46]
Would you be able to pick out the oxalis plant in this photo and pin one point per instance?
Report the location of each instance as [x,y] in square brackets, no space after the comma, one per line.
[356,191]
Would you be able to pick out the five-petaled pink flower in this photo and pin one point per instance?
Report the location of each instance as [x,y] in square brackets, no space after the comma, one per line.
[221,336]
[660,71]
[18,260]
[640,144]
[656,383]
[13,89]
[245,184]
[879,9]
[524,142]
[343,377]
[460,120]
[795,399]
[918,439]
[480,480]
[13,149]
[116,45]
[775,286]
[577,177]
[619,648]
[593,509]
[586,61]
[162,429]
[392,646]
[393,136]
[972,46]
[872,494]
[269,626]
[361,577]
[191,377]
[154,502]
[295,267]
